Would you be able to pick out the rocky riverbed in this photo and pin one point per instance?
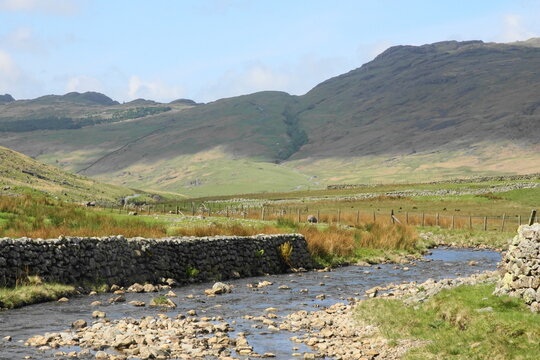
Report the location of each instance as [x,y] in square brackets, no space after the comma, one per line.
[300,315]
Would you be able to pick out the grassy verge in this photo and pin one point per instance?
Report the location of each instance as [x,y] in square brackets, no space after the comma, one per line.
[19,296]
[454,328]
[466,238]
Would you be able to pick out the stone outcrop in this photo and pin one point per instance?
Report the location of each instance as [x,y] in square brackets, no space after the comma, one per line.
[117,260]
[520,267]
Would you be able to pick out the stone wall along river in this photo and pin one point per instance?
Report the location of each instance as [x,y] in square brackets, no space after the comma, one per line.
[117,260]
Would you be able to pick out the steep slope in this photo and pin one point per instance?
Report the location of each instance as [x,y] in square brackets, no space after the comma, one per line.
[414,113]
[413,99]
[19,173]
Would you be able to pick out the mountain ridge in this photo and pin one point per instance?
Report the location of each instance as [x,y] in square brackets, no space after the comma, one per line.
[433,111]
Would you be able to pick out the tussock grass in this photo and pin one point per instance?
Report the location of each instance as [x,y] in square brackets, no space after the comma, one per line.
[329,245]
[31,290]
[40,217]
[454,329]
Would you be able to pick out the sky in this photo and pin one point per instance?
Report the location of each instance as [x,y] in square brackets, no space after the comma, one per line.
[210,49]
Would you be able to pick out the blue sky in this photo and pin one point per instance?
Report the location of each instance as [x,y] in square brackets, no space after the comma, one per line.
[210,49]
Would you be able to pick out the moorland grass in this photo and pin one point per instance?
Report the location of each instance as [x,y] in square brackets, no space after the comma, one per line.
[41,217]
[453,328]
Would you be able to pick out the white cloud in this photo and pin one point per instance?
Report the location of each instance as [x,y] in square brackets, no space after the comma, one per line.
[514,29]
[83,83]
[295,78]
[55,7]
[9,71]
[13,80]
[156,90]
[23,39]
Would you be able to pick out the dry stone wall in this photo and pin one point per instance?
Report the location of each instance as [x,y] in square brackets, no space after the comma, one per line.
[117,260]
[520,267]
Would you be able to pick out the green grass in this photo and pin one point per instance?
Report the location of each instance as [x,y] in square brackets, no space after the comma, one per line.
[454,329]
[465,237]
[19,296]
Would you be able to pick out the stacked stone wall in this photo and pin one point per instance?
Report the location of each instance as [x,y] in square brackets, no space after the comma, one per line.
[520,267]
[117,260]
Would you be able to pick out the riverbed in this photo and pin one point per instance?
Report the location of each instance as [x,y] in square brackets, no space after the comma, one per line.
[303,292]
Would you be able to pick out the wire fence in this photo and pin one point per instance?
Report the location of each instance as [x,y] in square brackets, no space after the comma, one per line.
[503,222]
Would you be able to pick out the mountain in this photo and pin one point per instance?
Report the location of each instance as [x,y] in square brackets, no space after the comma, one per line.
[414,113]
[6,98]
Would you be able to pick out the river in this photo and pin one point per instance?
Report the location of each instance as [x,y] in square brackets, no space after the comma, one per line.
[337,286]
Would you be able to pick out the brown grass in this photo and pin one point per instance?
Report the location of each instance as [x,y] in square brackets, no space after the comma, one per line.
[38,217]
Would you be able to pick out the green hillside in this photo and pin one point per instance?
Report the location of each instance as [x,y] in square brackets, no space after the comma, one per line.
[21,174]
[414,113]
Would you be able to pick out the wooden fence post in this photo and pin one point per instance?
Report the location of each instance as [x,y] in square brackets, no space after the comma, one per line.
[192,209]
[532,218]
[298,218]
[357,217]
[338,216]
[437,220]
[318,215]
[502,225]
[470,222]
[485,223]
[392,216]
[262,213]
[407,218]
[423,219]
[374,217]
[453,222]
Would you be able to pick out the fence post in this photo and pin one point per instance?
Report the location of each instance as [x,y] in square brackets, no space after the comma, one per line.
[177,209]
[262,213]
[437,220]
[357,217]
[453,222]
[502,225]
[407,218]
[485,223]
[374,217]
[532,218]
[192,209]
[298,219]
[338,216]
[392,216]
[470,222]
[318,215]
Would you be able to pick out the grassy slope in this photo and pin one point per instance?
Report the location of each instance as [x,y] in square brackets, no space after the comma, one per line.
[52,181]
[454,329]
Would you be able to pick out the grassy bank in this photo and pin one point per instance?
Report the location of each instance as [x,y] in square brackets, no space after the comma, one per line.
[33,291]
[454,327]
[466,237]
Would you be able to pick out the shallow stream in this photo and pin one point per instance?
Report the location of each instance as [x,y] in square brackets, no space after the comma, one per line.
[337,285]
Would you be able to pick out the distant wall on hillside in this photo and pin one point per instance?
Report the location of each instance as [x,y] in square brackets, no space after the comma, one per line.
[117,260]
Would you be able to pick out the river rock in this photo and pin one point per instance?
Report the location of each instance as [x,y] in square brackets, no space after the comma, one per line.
[136,288]
[218,289]
[79,324]
[98,314]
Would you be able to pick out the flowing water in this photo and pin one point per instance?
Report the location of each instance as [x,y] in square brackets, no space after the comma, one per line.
[337,285]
